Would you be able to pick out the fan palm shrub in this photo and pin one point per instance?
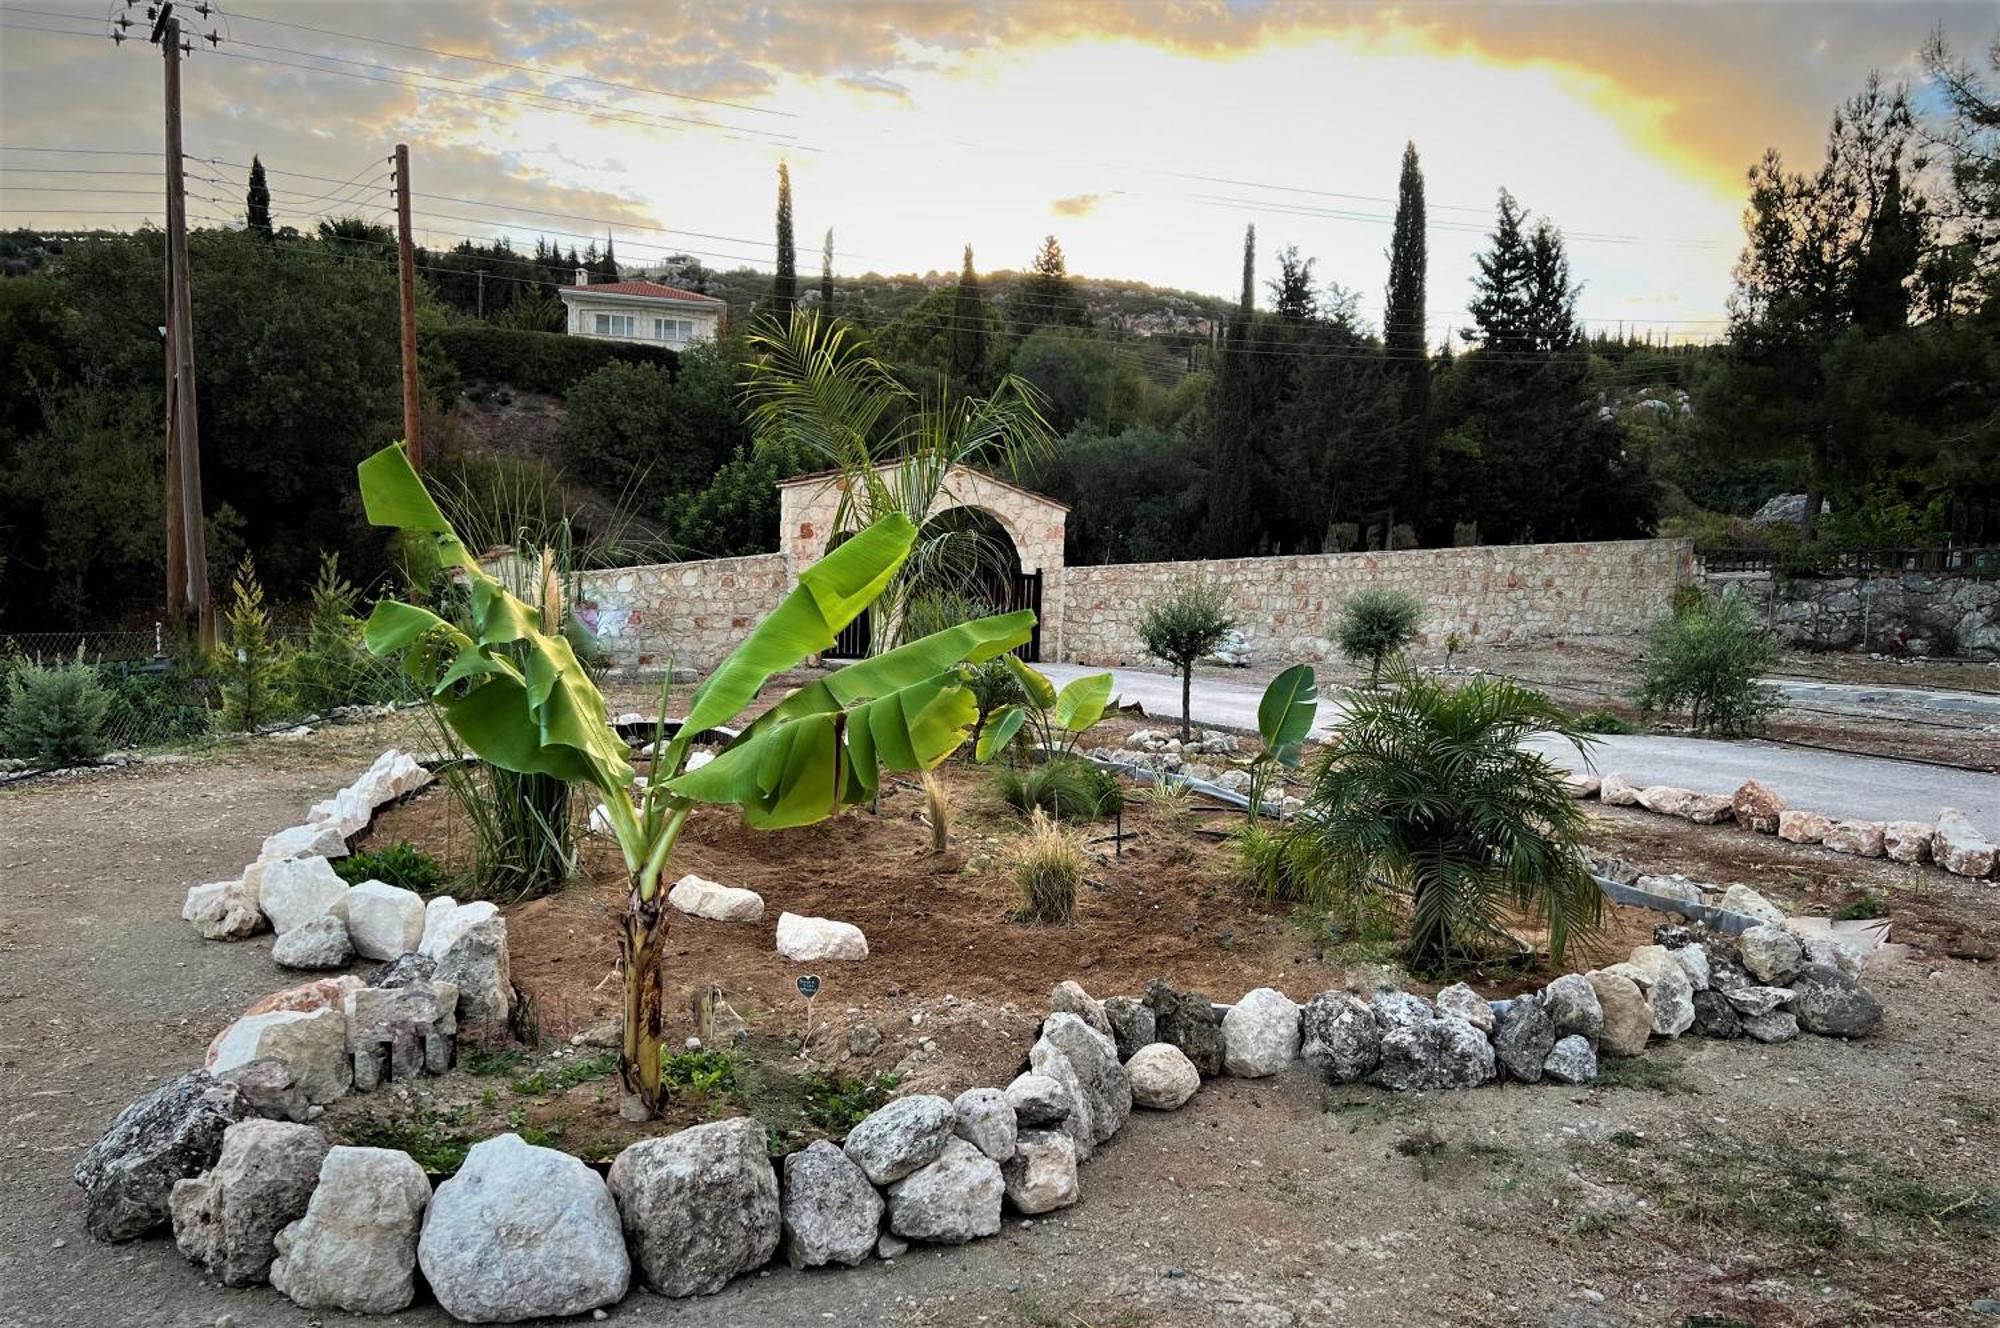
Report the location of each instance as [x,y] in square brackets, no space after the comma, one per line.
[1374,624]
[1428,792]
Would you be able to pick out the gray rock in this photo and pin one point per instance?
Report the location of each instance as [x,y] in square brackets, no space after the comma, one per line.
[356,1247]
[1038,1100]
[407,970]
[983,1119]
[1341,1038]
[1400,1009]
[522,1232]
[1260,1034]
[863,1039]
[1445,1053]
[1187,1019]
[900,1137]
[953,1200]
[700,1206]
[1461,1000]
[1777,1026]
[312,1042]
[1094,1058]
[321,943]
[1669,991]
[476,963]
[1041,1175]
[1162,1077]
[1755,1001]
[1771,954]
[1573,1008]
[1132,1024]
[1523,1037]
[227,1219]
[1069,997]
[830,1212]
[1742,899]
[1829,1002]
[1715,1017]
[271,1088]
[170,1134]
[1571,1061]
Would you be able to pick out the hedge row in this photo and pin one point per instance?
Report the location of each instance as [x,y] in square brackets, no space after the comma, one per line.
[537,361]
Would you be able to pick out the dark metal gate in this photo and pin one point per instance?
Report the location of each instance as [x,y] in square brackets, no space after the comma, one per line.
[853,641]
[1022,590]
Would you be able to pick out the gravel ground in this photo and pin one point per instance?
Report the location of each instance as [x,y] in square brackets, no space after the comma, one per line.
[1812,1183]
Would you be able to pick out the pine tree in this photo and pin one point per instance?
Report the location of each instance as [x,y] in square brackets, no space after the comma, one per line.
[826,275]
[253,665]
[1292,294]
[1500,308]
[1551,303]
[1403,318]
[257,204]
[969,332]
[1047,297]
[785,281]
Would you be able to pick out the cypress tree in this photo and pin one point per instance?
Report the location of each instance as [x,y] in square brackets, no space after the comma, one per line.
[968,326]
[1232,520]
[257,204]
[826,275]
[1403,315]
[785,281]
[609,268]
[1247,304]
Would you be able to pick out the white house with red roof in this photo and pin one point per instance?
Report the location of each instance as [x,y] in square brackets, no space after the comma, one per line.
[642,311]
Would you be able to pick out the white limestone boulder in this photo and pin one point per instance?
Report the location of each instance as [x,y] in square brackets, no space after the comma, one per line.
[1040,1176]
[478,965]
[356,1247]
[953,1200]
[294,891]
[1959,847]
[982,1117]
[1742,899]
[1861,839]
[1260,1034]
[1908,841]
[1162,1077]
[227,1219]
[699,897]
[806,940]
[312,1042]
[522,1232]
[384,921]
[445,920]
[224,910]
[1802,827]
[901,1136]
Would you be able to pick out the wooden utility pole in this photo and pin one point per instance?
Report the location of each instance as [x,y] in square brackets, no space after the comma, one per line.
[190,595]
[406,266]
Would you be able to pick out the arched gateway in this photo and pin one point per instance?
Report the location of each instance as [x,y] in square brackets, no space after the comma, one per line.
[1032,523]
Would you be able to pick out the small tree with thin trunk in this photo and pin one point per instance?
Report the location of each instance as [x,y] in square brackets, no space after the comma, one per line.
[1376,623]
[1189,623]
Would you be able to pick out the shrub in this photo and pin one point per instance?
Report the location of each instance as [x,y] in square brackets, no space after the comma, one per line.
[400,864]
[155,709]
[1376,623]
[1602,720]
[1179,629]
[54,715]
[1708,659]
[1048,866]
[993,685]
[1062,787]
[1427,792]
[616,425]
[253,666]
[536,361]
[837,1105]
[334,668]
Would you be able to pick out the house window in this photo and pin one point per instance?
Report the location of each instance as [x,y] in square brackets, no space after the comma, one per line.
[615,325]
[674,329]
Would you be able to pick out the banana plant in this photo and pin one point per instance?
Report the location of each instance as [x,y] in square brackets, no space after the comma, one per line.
[516,695]
[1284,717]
[1056,720]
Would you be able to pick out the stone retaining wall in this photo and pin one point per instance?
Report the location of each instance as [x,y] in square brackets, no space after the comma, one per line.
[689,615]
[1286,605]
[1915,612]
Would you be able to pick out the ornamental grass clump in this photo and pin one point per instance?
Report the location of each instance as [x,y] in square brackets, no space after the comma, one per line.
[1049,863]
[1427,792]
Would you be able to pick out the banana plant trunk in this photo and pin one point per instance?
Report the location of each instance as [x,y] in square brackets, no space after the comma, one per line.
[640,947]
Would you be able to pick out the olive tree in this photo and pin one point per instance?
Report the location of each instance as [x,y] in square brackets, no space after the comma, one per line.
[1179,629]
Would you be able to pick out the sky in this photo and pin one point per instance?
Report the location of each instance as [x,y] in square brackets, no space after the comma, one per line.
[1145,134]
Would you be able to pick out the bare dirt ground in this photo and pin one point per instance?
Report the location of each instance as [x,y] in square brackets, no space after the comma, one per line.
[1813,1183]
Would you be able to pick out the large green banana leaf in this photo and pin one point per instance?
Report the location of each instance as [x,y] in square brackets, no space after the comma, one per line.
[1002,726]
[967,643]
[1285,715]
[802,768]
[830,594]
[515,694]
[1041,692]
[1082,700]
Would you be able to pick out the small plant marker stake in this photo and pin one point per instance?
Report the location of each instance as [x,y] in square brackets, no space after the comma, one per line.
[808,985]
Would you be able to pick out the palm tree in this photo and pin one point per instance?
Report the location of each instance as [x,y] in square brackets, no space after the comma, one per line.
[1427,790]
[814,387]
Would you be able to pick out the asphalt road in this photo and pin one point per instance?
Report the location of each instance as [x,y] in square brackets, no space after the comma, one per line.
[1833,784]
